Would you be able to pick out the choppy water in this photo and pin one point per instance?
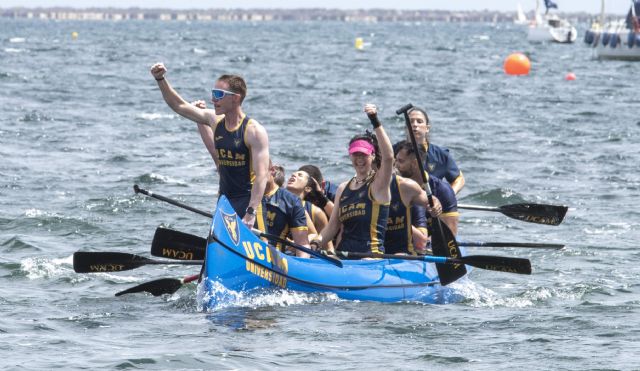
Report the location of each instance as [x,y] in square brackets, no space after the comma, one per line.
[82,121]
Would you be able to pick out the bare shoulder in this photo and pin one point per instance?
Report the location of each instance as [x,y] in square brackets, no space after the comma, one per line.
[407,183]
[256,130]
[340,189]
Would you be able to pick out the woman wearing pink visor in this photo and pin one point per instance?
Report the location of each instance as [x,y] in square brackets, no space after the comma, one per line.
[362,203]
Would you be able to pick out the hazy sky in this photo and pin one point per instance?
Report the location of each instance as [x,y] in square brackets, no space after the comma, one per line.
[590,6]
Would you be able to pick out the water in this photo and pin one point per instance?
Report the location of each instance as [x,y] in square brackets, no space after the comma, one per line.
[82,121]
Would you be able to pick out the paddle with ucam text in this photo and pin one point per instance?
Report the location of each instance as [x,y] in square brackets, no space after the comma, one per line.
[443,242]
[307,250]
[104,262]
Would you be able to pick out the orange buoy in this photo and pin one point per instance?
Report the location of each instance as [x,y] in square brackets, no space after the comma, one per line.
[570,76]
[517,64]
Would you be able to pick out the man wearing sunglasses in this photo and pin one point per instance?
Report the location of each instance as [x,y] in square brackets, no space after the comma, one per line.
[238,145]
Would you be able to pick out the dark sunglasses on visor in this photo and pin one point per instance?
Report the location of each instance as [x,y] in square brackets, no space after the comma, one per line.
[218,94]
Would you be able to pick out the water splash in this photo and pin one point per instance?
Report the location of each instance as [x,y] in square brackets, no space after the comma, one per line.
[219,297]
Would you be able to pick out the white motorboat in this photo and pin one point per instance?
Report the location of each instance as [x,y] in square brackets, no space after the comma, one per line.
[550,27]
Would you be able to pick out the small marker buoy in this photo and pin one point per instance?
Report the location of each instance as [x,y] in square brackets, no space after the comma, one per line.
[517,64]
[74,35]
[359,43]
[570,76]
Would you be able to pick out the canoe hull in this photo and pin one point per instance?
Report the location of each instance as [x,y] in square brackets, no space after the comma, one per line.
[237,260]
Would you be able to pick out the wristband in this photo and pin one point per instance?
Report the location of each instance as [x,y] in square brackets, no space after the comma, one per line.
[160,79]
[322,201]
[374,121]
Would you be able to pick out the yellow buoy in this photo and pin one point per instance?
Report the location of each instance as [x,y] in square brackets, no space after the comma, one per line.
[517,64]
[359,44]
[74,35]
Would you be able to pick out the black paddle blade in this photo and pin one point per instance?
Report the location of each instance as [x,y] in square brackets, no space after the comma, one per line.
[102,262]
[535,213]
[499,263]
[444,243]
[171,244]
[155,288]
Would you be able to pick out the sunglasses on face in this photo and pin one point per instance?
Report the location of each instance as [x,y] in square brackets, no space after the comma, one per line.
[217,94]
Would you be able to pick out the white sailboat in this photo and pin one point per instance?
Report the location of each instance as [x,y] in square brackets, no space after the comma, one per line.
[550,27]
[619,39]
[521,18]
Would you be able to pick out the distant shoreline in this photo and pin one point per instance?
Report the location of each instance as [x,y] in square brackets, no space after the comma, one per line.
[260,15]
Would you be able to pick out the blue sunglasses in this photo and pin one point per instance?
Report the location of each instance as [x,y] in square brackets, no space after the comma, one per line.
[217,94]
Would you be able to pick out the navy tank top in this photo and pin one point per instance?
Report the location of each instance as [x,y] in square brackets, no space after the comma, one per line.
[364,221]
[234,160]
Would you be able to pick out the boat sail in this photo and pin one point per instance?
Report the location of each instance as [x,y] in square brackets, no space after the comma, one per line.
[521,18]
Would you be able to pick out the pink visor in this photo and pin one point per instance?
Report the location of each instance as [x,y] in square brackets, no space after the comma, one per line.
[361,146]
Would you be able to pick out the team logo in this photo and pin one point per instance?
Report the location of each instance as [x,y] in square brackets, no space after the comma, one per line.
[395,206]
[231,225]
[219,137]
[236,142]
[431,167]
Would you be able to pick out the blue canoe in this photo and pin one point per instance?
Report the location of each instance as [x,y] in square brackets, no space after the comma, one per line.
[241,262]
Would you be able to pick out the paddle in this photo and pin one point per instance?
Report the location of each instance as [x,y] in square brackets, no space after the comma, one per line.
[511,244]
[161,286]
[208,215]
[493,263]
[101,262]
[443,242]
[137,189]
[168,243]
[532,213]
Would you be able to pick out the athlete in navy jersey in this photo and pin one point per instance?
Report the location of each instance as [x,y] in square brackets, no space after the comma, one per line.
[363,219]
[438,161]
[300,184]
[281,213]
[362,203]
[243,163]
[407,166]
[234,163]
[402,216]
[443,191]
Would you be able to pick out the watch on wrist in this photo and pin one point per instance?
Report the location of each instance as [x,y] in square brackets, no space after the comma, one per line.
[251,210]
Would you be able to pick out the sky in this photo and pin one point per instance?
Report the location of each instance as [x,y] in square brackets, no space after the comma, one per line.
[589,6]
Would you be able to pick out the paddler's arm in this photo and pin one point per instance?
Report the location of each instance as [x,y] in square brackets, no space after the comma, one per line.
[420,237]
[206,133]
[458,183]
[176,102]
[319,198]
[382,181]
[333,227]
[258,142]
